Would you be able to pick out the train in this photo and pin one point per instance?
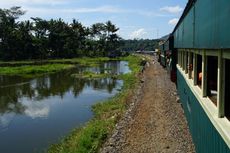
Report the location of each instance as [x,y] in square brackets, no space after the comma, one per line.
[197,57]
[168,56]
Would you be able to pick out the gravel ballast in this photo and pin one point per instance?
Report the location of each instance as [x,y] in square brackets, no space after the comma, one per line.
[154,121]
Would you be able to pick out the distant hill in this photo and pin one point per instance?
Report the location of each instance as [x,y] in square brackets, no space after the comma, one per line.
[139,44]
[165,37]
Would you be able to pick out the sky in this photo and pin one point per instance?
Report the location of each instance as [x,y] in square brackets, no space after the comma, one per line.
[136,19]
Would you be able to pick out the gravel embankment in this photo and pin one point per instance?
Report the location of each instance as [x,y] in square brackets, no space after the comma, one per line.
[154,122]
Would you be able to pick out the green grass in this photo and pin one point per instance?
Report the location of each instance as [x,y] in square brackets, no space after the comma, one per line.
[86,61]
[93,134]
[17,62]
[29,70]
[90,75]
[35,68]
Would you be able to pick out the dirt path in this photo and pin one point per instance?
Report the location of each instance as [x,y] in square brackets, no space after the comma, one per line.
[156,123]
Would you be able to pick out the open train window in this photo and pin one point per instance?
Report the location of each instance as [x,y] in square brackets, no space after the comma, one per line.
[212,64]
[182,59]
[227,89]
[199,70]
[190,66]
[186,62]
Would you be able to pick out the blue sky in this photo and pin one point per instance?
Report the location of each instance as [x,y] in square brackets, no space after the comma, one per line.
[135,18]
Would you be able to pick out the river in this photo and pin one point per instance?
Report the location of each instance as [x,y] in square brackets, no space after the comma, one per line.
[37,112]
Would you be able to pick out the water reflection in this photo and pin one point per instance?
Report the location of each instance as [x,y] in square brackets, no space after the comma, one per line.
[56,101]
[5,120]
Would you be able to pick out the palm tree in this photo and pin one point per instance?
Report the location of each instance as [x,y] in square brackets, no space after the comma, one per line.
[112,38]
[110,28]
[25,40]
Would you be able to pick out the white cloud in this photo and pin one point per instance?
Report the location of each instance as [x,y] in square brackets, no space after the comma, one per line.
[172,9]
[60,8]
[102,9]
[140,33]
[37,112]
[5,120]
[173,21]
[151,14]
[36,109]
[10,3]
[66,13]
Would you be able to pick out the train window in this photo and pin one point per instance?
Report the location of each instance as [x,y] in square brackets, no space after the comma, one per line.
[186,62]
[182,59]
[199,70]
[190,66]
[178,57]
[212,64]
[227,89]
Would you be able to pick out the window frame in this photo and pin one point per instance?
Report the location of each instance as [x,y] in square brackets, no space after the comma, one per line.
[215,113]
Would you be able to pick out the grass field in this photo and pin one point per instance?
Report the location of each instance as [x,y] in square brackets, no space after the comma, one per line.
[34,68]
[30,71]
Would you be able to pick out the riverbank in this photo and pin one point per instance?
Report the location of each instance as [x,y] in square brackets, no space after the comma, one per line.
[36,68]
[86,61]
[90,137]
[31,71]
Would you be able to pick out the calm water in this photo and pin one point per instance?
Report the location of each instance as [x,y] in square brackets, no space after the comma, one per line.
[37,112]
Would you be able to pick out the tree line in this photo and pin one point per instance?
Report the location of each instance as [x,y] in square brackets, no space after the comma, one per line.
[41,39]
[139,44]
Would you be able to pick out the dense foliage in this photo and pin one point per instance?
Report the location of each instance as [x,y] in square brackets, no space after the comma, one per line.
[42,39]
[139,44]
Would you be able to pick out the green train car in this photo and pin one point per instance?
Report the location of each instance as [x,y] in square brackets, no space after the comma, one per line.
[171,57]
[201,39]
[168,56]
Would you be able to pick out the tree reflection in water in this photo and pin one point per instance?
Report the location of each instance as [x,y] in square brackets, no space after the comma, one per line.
[26,96]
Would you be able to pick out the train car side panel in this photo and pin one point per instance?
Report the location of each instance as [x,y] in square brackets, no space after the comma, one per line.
[205,137]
